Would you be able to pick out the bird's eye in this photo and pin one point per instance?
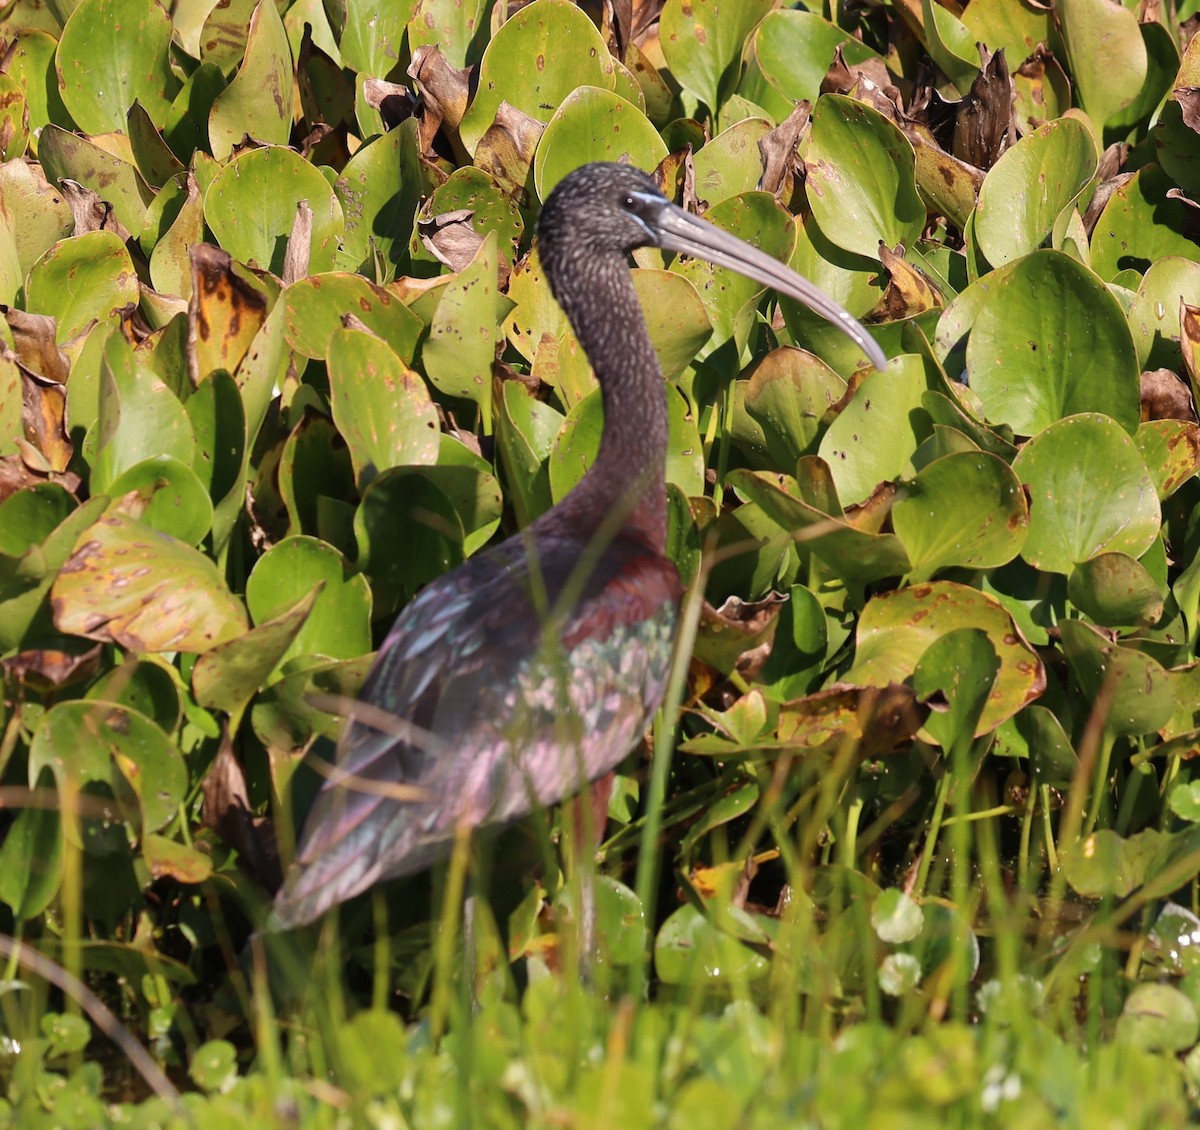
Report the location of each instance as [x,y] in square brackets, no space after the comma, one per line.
[629,202]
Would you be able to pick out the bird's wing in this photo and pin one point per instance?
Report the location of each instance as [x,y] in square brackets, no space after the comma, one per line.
[521,709]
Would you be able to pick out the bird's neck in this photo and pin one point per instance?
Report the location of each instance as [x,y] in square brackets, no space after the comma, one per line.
[627,479]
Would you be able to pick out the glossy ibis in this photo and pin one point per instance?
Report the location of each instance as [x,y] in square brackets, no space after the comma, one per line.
[536,666]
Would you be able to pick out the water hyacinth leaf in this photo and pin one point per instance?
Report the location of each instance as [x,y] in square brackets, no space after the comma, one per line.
[466,479]
[962,667]
[130,585]
[317,305]
[228,677]
[620,918]
[950,45]
[490,207]
[1171,452]
[170,264]
[98,87]
[339,624]
[458,352]
[799,648]
[857,557]
[1139,693]
[1106,54]
[1115,590]
[114,745]
[1090,493]
[165,857]
[251,208]
[222,40]
[316,480]
[66,155]
[369,38]
[730,164]
[702,43]
[14,118]
[758,218]
[282,715]
[36,211]
[537,58]
[165,495]
[1106,864]
[965,509]
[1050,342]
[1031,185]
[455,27]
[382,408]
[578,443]
[379,190]
[794,50]
[31,862]
[676,319]
[1050,753]
[1140,225]
[862,453]
[786,398]
[1015,29]
[525,432]
[536,315]
[594,124]
[861,183]
[148,686]
[1154,315]
[690,950]
[226,311]
[140,418]
[897,628]
[82,279]
[215,412]
[258,101]
[31,64]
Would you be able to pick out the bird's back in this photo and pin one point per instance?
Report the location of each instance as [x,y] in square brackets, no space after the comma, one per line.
[532,670]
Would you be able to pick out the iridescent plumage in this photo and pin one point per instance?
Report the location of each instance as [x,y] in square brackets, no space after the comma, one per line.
[536,666]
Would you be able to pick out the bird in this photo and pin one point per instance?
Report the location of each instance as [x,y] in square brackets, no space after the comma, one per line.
[536,666]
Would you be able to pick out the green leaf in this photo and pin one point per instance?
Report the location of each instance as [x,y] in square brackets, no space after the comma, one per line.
[730,164]
[258,101]
[98,87]
[131,585]
[896,917]
[1051,341]
[861,181]
[539,56]
[897,628]
[370,38]
[874,436]
[82,279]
[251,208]
[1106,54]
[1158,1018]
[691,950]
[31,862]
[965,509]
[702,43]
[229,676]
[795,49]
[1032,184]
[1115,590]
[1138,693]
[339,625]
[594,124]
[962,665]
[1140,225]
[1090,493]
[110,744]
[165,495]
[381,407]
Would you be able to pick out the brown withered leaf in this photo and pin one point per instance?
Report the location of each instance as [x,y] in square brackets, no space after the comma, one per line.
[299,246]
[1189,343]
[90,212]
[1188,98]
[869,516]
[778,152]
[1101,197]
[738,626]
[874,720]
[986,123]
[451,237]
[1166,397]
[444,88]
[224,315]
[393,101]
[227,812]
[506,150]
[950,184]
[35,344]
[868,81]
[44,669]
[908,291]
[44,419]
[676,176]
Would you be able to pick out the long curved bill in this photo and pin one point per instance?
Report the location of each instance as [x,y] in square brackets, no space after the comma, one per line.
[679,231]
